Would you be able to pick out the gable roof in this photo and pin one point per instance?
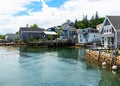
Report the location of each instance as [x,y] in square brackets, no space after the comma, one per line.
[29,29]
[88,30]
[50,32]
[13,36]
[115,20]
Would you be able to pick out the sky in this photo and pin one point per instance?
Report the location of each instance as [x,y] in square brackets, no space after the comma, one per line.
[47,13]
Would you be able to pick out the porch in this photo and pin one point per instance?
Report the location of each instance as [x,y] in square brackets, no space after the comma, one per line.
[108,40]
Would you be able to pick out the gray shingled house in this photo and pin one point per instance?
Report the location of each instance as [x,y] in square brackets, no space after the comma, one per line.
[110,34]
[27,33]
[68,32]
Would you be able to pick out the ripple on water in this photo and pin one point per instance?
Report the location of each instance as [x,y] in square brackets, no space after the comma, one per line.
[54,67]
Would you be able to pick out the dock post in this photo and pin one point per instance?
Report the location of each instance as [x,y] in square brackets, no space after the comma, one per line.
[99,55]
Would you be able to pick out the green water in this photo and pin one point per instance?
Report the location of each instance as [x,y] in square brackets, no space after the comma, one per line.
[26,66]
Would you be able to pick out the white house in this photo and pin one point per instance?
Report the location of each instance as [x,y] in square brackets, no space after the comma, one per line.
[110,34]
[88,35]
[50,33]
[11,37]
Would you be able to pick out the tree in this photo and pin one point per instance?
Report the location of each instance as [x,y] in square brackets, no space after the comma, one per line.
[85,21]
[76,25]
[96,18]
[31,38]
[81,25]
[34,26]
[50,37]
[92,22]
[101,20]
[17,33]
[2,36]
[96,15]
[59,31]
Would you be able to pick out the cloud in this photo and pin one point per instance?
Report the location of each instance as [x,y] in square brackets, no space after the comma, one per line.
[51,16]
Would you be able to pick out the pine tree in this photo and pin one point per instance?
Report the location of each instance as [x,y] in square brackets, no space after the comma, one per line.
[96,18]
[92,22]
[86,22]
[76,24]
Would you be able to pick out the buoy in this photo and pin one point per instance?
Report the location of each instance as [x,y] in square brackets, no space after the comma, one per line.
[103,67]
[103,63]
[114,67]
[113,72]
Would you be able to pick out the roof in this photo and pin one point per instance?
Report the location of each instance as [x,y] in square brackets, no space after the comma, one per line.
[29,29]
[50,32]
[12,35]
[88,30]
[115,20]
[72,28]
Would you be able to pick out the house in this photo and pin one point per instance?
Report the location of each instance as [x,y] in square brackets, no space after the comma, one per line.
[88,35]
[99,27]
[68,32]
[11,37]
[53,29]
[50,35]
[110,34]
[28,33]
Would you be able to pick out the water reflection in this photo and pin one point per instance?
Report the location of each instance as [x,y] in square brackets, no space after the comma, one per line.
[91,71]
[53,67]
[108,77]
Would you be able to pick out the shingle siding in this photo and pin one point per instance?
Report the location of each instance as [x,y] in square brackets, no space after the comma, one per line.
[118,38]
[26,33]
[111,26]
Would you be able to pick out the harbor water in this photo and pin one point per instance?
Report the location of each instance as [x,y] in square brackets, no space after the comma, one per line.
[28,66]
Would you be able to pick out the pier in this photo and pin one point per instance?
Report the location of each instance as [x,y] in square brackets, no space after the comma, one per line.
[51,44]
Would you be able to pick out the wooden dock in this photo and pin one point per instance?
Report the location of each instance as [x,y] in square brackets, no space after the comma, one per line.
[51,44]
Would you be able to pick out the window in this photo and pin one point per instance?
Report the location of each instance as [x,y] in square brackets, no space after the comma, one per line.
[107,30]
[108,40]
[104,31]
[105,39]
[80,36]
[102,40]
[110,30]
[112,40]
[81,40]
[86,40]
